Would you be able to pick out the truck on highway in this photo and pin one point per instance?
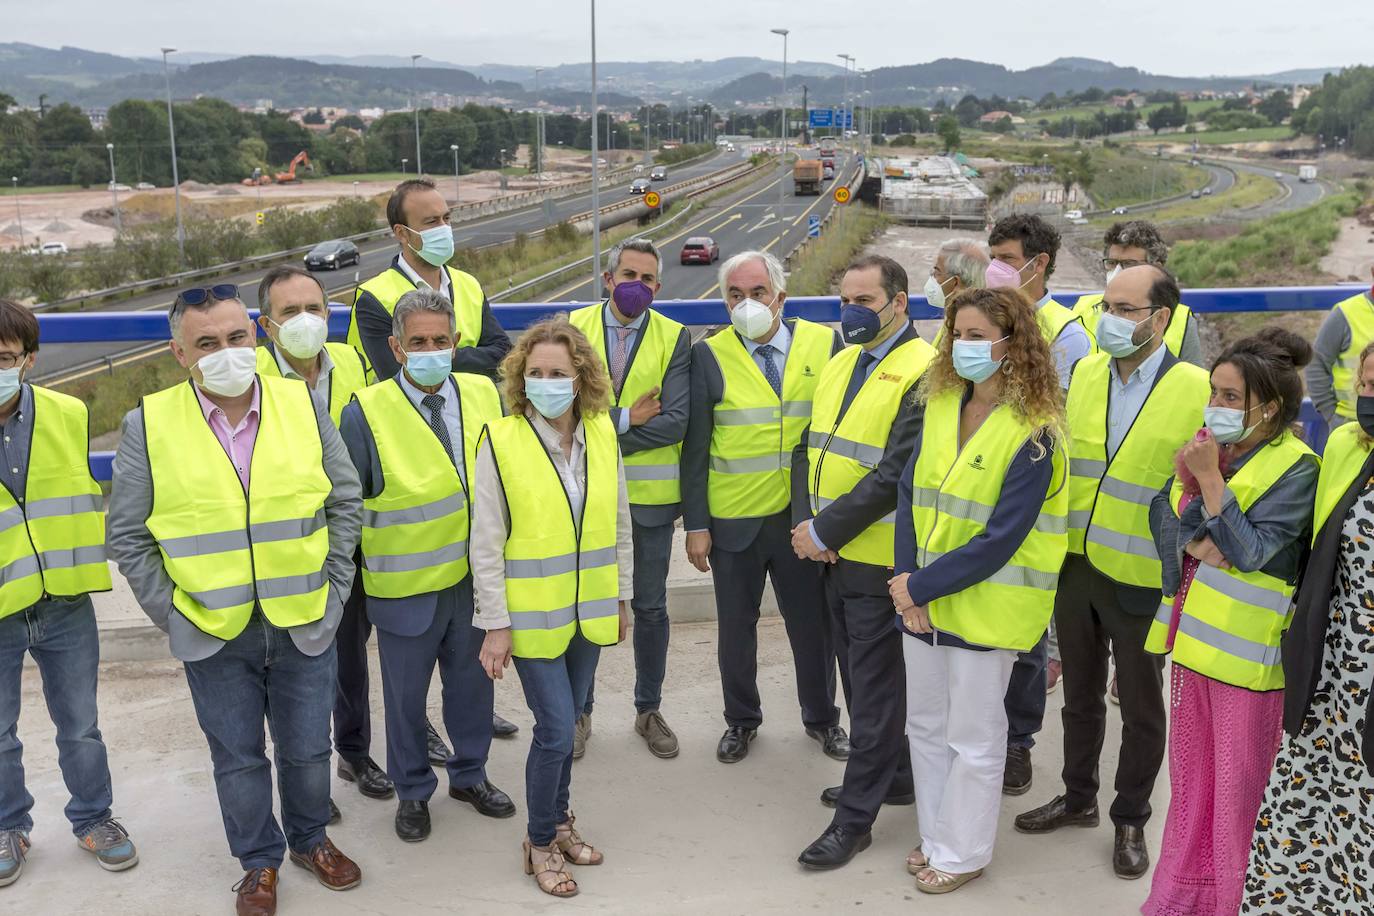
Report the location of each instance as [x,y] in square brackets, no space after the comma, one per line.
[806,176]
[1307,173]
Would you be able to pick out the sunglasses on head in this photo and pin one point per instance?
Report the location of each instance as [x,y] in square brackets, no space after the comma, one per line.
[198,295]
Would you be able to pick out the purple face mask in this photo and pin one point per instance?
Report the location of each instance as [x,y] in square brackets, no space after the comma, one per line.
[632,297]
[1001,275]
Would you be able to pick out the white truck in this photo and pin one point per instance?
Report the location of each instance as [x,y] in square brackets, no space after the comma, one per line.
[1307,173]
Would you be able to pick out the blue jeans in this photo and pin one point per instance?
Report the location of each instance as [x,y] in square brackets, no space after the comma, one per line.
[261,674]
[555,689]
[1025,698]
[61,635]
[653,550]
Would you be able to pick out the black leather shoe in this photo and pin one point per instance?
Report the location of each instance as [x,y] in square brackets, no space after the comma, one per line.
[438,750]
[734,744]
[834,848]
[486,798]
[1130,858]
[334,815]
[364,771]
[1055,814]
[412,820]
[1016,778]
[500,728]
[834,742]
[831,796]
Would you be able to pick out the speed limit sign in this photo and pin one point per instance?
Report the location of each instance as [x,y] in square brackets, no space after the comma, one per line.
[841,195]
[652,199]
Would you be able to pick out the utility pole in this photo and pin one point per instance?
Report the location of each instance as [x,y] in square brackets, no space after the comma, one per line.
[538,126]
[596,172]
[454,148]
[782,175]
[114,194]
[176,179]
[415,104]
[806,116]
[18,214]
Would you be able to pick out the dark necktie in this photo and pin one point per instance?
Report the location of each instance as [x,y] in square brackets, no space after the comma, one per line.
[435,403]
[770,368]
[856,381]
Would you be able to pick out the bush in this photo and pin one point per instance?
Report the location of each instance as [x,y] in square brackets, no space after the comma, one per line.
[48,277]
[150,251]
[11,275]
[103,266]
[682,153]
[349,216]
[217,241]
[283,228]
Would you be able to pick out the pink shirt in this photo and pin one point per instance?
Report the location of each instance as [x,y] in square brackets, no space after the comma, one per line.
[237,441]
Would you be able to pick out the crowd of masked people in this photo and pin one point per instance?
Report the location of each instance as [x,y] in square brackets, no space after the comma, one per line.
[1046,494]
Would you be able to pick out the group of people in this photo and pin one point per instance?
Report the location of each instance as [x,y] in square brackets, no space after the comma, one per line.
[1048,489]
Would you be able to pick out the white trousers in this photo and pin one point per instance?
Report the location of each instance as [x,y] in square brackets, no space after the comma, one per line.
[957,726]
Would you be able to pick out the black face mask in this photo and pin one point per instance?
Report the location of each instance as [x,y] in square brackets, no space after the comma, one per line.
[1364,412]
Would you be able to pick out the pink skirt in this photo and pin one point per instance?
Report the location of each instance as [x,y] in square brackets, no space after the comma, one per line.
[1222,742]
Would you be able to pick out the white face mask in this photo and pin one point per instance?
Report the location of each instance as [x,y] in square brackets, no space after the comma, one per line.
[935,292]
[751,318]
[302,335]
[228,372]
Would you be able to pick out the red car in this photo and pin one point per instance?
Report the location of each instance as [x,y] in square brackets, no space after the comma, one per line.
[700,249]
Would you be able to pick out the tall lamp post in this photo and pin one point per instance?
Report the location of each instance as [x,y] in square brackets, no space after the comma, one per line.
[454,148]
[538,127]
[114,194]
[596,172]
[403,165]
[782,178]
[176,179]
[18,214]
[415,88]
[844,102]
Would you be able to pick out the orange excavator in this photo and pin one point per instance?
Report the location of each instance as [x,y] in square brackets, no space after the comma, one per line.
[287,177]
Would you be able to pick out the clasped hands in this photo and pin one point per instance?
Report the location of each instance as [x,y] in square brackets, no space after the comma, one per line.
[804,545]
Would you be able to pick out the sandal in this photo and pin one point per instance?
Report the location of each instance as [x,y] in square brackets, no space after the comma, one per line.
[569,842]
[916,861]
[546,864]
[935,881]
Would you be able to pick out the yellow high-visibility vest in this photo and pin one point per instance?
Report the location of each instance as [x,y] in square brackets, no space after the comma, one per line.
[954,492]
[562,574]
[652,476]
[225,549]
[415,531]
[1359,313]
[391,284]
[1342,460]
[347,376]
[1086,309]
[1054,318]
[842,451]
[52,535]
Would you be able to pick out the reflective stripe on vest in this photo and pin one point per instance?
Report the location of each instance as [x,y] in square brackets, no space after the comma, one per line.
[1109,499]
[842,451]
[652,475]
[271,543]
[1342,460]
[954,491]
[52,536]
[345,378]
[1359,314]
[562,574]
[753,430]
[415,531]
[1232,622]
[391,284]
[1086,309]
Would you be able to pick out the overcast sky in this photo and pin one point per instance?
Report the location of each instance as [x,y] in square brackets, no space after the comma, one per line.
[1175,37]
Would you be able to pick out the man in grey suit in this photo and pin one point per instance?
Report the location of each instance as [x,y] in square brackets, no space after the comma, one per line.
[649,358]
[244,559]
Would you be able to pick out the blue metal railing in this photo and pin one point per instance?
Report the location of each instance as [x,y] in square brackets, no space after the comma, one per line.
[96,327]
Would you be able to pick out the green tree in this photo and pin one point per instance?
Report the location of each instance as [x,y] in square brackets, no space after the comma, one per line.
[948,129]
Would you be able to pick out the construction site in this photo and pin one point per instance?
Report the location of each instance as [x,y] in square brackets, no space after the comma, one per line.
[930,191]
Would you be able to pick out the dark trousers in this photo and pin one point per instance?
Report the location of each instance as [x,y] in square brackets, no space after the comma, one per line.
[61,635]
[800,591]
[1092,624]
[261,674]
[352,706]
[653,549]
[408,664]
[1025,699]
[869,648]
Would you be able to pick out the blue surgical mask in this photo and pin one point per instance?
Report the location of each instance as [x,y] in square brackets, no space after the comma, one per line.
[860,325]
[9,382]
[1116,335]
[436,244]
[973,359]
[429,367]
[550,396]
[1227,424]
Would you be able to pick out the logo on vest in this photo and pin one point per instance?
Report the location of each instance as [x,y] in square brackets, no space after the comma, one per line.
[889,377]
[806,371]
[977,463]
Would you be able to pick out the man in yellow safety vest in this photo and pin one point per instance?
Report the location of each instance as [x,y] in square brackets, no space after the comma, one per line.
[1332,374]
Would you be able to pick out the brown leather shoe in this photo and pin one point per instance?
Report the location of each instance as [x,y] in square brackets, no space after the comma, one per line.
[334,870]
[257,891]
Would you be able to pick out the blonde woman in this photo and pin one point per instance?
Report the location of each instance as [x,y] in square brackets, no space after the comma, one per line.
[982,516]
[552,563]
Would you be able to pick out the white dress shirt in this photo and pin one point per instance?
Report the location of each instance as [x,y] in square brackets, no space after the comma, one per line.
[445,284]
[451,412]
[319,392]
[781,341]
[1125,399]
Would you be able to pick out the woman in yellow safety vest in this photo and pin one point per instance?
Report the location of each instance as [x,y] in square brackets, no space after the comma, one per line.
[1310,852]
[982,530]
[1231,529]
[552,564]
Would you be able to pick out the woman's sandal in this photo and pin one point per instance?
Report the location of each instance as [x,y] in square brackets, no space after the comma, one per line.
[916,862]
[935,881]
[546,864]
[570,843]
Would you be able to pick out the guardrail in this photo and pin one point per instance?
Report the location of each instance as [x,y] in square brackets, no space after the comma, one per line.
[75,327]
[789,261]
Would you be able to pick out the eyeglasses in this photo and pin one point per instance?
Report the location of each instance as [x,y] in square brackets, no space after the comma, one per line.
[1123,263]
[198,295]
[10,360]
[1123,311]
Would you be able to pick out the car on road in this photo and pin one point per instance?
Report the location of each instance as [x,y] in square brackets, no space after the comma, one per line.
[827,172]
[120,187]
[1119,211]
[1196,194]
[658,173]
[700,249]
[1073,214]
[145,186]
[639,186]
[1206,192]
[332,255]
[51,248]
[1278,175]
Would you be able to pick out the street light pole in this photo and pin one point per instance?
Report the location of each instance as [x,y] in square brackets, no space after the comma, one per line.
[596,173]
[18,214]
[782,177]
[176,179]
[844,102]
[114,194]
[415,88]
[538,127]
[403,165]
[454,147]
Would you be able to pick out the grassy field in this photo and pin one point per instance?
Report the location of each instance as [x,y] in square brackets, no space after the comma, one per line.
[1250,190]
[54,189]
[1195,108]
[1219,137]
[1121,179]
[815,270]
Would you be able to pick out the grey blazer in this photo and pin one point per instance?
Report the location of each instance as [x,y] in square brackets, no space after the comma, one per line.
[135,551]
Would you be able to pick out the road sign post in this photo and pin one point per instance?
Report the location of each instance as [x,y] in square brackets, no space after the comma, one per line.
[652,199]
[261,217]
[842,195]
[813,227]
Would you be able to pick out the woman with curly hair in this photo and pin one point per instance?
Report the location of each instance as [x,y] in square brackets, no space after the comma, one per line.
[982,522]
[552,564]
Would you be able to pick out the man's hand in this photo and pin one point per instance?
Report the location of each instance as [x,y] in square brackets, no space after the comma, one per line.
[646,408]
[901,598]
[1206,551]
[699,549]
[624,621]
[495,654]
[916,618]
[804,545]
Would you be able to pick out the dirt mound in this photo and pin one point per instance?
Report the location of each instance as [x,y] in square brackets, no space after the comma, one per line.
[1365,214]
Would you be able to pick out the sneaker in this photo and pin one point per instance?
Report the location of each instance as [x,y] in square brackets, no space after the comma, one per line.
[111,844]
[1054,673]
[656,733]
[1016,777]
[14,844]
[1111,691]
[581,732]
